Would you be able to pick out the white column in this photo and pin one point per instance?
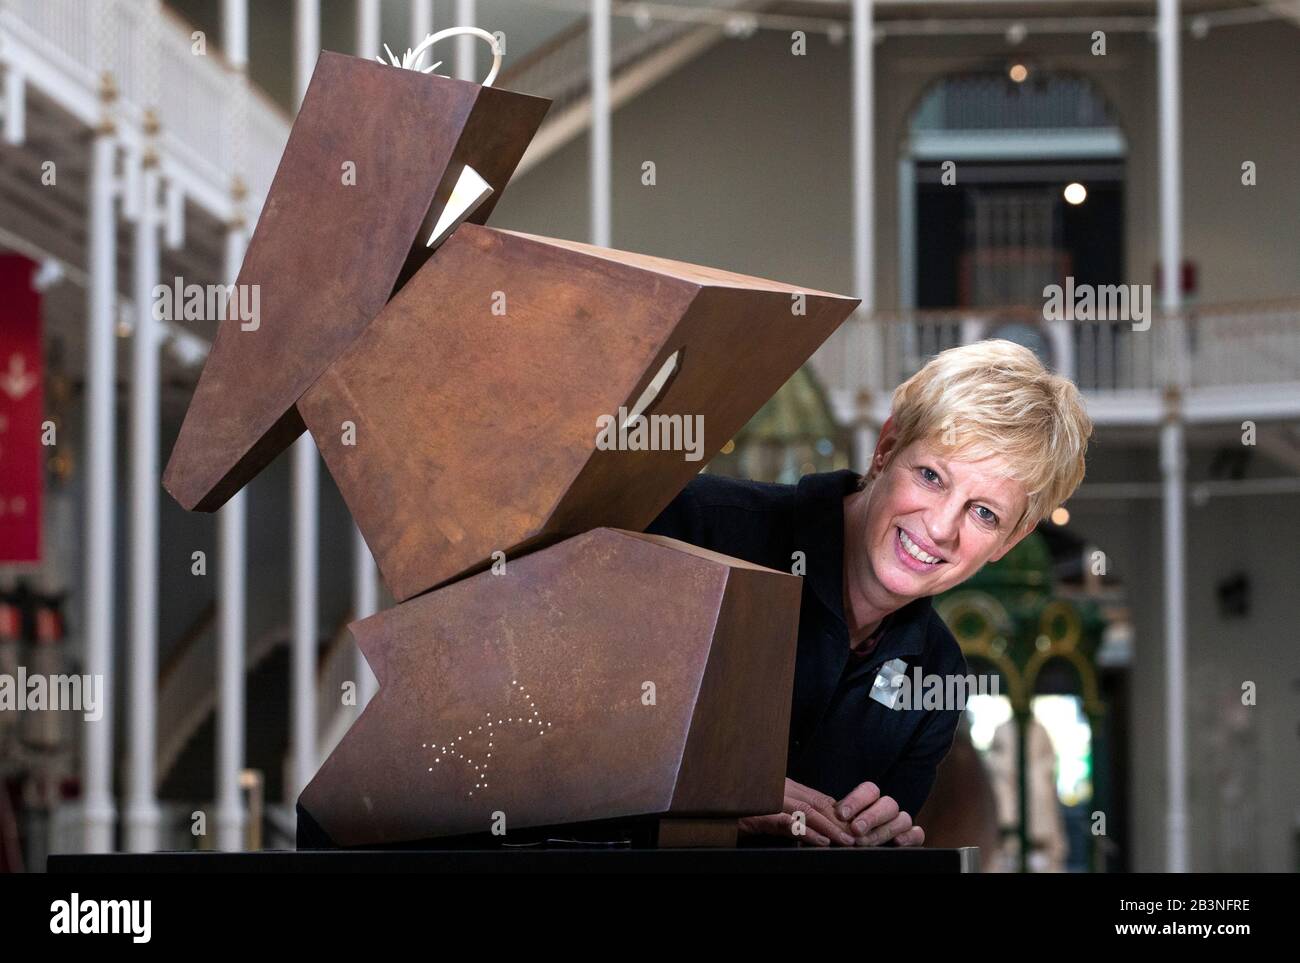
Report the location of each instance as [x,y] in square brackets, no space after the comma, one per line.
[1061,336]
[15,105]
[231,622]
[302,736]
[1172,441]
[864,174]
[862,328]
[365,591]
[306,46]
[466,46]
[231,630]
[142,816]
[971,329]
[906,349]
[1171,188]
[234,33]
[369,44]
[600,124]
[365,576]
[1173,464]
[906,231]
[232,552]
[99,811]
[421,27]
[305,495]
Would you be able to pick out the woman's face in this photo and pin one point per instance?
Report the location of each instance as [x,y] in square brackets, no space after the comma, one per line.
[929,522]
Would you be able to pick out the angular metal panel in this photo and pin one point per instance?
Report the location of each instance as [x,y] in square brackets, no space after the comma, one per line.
[325,255]
[476,431]
[524,693]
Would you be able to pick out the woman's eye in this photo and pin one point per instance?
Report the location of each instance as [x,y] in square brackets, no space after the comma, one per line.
[929,474]
[987,515]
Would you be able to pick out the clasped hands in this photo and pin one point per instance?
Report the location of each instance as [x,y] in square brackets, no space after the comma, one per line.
[862,818]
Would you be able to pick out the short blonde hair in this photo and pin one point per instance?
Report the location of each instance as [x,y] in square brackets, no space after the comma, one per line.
[994,397]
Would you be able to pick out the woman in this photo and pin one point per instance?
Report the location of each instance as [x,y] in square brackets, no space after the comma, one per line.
[981,445]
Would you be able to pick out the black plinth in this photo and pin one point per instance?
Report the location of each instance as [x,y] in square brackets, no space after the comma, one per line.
[801,860]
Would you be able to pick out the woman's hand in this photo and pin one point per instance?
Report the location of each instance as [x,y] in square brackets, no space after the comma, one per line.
[874,819]
[862,818]
[807,815]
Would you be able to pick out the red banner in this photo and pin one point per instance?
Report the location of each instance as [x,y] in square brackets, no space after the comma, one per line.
[21,406]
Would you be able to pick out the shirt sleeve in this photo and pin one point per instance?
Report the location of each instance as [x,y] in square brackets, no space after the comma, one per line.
[910,779]
[682,519]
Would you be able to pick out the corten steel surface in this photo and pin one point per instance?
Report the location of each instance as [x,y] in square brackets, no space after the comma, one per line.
[477,432]
[543,667]
[326,255]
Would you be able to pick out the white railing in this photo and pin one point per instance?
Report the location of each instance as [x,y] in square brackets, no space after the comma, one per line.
[196,97]
[125,50]
[1112,356]
[1246,345]
[64,24]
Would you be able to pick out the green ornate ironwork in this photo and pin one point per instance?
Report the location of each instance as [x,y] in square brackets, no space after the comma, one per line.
[1008,617]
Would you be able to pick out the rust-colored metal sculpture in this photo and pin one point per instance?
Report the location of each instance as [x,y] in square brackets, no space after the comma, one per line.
[330,246]
[612,675]
[467,419]
[519,398]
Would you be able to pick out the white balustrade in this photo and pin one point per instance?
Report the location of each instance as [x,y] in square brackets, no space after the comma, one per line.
[195,92]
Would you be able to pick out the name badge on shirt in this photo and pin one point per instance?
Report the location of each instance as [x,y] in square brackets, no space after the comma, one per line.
[885,689]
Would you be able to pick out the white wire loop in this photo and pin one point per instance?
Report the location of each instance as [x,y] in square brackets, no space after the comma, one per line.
[412,57]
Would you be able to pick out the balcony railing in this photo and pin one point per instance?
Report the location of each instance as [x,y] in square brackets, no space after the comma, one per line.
[210,118]
[1247,345]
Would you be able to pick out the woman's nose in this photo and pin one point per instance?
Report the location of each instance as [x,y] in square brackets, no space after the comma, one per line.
[941,522]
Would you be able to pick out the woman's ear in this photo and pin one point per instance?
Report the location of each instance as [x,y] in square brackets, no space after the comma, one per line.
[885,443]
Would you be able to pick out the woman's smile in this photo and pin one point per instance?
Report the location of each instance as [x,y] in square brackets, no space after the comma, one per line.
[913,557]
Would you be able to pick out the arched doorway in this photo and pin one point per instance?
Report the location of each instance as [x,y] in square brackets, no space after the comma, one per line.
[1009,181]
[1046,735]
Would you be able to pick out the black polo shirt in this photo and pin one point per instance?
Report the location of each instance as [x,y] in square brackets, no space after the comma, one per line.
[839,736]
